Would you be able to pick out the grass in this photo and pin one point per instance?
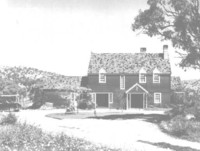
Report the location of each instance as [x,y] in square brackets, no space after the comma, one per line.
[180,127]
[24,137]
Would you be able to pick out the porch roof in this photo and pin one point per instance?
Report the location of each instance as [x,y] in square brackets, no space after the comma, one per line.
[136,86]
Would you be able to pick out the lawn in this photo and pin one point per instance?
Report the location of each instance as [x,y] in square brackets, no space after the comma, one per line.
[16,136]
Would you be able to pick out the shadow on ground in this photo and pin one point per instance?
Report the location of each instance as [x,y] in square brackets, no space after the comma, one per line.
[153,118]
[169,146]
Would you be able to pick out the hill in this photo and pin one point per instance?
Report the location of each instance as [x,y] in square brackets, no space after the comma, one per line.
[192,84]
[13,79]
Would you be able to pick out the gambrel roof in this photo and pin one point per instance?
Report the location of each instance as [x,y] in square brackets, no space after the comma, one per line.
[115,63]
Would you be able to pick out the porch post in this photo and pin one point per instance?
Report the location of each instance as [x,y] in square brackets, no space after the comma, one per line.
[127,101]
[146,100]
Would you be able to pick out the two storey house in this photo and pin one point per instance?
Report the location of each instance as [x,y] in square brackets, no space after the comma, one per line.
[145,78]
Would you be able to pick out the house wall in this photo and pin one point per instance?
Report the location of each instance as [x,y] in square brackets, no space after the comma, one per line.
[113,83]
[163,86]
[166,99]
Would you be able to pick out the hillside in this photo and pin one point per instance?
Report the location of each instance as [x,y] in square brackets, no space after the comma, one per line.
[23,77]
[192,84]
[179,85]
[176,83]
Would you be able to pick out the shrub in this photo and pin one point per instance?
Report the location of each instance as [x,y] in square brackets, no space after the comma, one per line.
[85,104]
[82,104]
[176,110]
[9,119]
[8,106]
[24,137]
[194,109]
[179,125]
[85,101]
[90,105]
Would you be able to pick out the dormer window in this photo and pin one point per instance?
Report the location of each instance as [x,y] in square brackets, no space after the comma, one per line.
[156,76]
[102,76]
[142,76]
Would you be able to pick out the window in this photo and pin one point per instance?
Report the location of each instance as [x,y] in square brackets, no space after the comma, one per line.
[122,82]
[102,76]
[157,98]
[110,97]
[156,76]
[142,76]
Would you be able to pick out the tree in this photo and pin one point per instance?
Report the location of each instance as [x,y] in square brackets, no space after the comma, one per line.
[176,84]
[177,21]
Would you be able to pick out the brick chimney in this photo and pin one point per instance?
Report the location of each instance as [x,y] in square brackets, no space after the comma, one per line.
[143,50]
[165,52]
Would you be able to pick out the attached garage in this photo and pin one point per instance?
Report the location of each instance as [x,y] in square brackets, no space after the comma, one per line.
[102,100]
[137,100]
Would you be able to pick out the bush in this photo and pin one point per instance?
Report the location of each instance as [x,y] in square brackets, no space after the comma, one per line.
[179,125]
[176,110]
[85,104]
[24,137]
[90,105]
[194,110]
[9,119]
[82,104]
[85,101]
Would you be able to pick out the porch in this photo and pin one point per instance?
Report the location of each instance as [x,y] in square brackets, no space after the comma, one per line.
[136,97]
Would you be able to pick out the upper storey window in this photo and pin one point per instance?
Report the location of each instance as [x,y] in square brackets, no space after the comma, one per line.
[156,76]
[142,76]
[122,82]
[102,76]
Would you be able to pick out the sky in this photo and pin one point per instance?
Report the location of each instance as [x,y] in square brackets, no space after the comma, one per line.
[59,35]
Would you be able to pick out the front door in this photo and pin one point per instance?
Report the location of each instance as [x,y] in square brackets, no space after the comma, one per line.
[102,100]
[136,100]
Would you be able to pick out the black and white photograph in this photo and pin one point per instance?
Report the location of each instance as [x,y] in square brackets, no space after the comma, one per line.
[100,75]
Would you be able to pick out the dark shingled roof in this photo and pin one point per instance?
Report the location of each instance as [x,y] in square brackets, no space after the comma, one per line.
[128,62]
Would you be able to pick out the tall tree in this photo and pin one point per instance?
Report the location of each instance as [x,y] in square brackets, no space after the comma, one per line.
[177,21]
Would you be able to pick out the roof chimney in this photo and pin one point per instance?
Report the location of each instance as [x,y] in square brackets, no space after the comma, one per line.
[143,50]
[165,52]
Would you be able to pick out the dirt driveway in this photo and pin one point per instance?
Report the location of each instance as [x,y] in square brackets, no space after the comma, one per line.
[128,134]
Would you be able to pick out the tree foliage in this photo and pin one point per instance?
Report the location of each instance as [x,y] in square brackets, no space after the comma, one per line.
[177,21]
